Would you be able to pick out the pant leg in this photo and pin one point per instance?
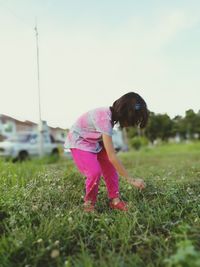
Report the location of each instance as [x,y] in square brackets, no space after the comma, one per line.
[89,166]
[110,175]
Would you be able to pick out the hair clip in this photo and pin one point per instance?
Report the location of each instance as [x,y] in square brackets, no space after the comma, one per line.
[138,106]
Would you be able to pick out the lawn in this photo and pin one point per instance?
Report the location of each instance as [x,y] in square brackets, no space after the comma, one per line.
[42,222]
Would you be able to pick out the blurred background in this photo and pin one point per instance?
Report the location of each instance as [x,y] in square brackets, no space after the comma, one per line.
[62,58]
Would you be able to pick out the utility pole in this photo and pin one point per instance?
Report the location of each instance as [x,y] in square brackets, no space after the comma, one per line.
[40,125]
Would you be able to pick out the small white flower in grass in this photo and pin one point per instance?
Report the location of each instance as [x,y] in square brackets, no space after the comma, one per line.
[70,219]
[67,264]
[105,237]
[196,220]
[55,253]
[129,187]
[57,242]
[40,240]
[34,207]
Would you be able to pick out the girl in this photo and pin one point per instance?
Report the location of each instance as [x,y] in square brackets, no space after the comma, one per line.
[90,141]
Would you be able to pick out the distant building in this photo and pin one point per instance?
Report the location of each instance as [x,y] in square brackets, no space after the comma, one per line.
[10,126]
[58,133]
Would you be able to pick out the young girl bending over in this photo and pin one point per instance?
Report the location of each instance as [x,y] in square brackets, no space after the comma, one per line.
[90,141]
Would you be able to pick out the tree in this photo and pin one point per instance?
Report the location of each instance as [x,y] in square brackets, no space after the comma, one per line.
[192,123]
[159,126]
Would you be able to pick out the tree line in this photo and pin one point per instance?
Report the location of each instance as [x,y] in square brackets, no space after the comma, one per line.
[162,127]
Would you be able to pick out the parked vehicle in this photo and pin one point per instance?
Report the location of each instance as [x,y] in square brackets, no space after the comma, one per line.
[118,141]
[26,145]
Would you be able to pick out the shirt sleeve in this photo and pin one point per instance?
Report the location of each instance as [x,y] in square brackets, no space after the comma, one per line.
[102,122]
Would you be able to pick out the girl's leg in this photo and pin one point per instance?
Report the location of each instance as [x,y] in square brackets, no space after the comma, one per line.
[89,166]
[110,175]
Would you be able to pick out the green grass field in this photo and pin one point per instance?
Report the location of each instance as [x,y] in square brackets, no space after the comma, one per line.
[42,222]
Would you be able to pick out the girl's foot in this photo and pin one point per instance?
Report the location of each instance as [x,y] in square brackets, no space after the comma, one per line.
[120,205]
[88,206]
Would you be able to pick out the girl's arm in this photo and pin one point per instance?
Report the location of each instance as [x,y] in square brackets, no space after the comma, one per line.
[108,144]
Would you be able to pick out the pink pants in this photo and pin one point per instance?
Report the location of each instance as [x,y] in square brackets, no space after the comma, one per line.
[93,166]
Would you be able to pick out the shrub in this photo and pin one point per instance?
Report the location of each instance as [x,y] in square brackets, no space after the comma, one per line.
[138,141]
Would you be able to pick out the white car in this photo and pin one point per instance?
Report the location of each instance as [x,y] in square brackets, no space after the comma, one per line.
[118,141]
[26,145]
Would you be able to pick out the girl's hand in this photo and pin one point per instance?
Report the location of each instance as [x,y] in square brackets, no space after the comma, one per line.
[138,183]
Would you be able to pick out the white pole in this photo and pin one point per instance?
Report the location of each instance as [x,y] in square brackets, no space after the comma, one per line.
[40,126]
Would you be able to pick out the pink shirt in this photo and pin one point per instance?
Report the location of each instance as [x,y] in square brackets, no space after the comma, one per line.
[86,132]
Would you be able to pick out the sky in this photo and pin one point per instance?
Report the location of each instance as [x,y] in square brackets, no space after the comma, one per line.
[92,52]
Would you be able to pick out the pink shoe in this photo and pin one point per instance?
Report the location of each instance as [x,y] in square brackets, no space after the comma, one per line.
[88,206]
[121,205]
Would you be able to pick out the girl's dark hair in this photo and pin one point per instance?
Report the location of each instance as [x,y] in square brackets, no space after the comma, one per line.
[130,110]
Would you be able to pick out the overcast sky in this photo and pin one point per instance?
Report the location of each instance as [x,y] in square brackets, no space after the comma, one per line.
[94,51]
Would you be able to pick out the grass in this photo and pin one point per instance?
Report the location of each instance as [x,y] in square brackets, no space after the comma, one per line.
[42,222]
